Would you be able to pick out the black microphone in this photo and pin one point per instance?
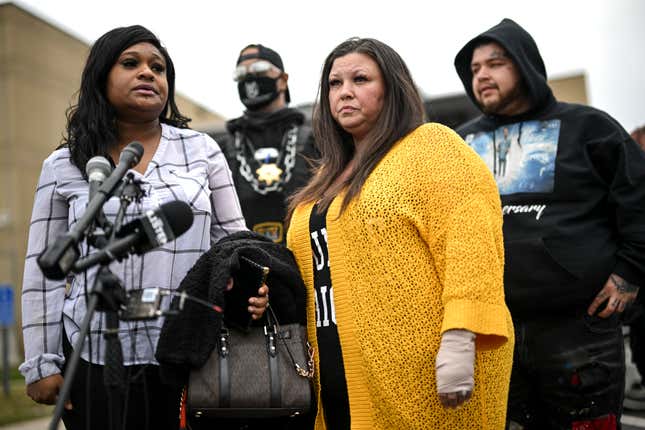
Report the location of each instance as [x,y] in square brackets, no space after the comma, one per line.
[154,229]
[58,258]
[130,157]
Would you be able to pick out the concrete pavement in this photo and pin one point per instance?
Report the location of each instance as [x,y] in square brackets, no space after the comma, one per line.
[39,424]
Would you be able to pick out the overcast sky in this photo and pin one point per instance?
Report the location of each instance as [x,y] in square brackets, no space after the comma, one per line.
[603,38]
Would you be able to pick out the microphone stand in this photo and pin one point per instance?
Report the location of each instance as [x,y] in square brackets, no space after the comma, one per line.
[107,295]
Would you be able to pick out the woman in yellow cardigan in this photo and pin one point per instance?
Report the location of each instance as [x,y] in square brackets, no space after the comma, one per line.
[398,238]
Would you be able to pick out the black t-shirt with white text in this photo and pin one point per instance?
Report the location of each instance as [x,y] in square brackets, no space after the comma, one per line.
[332,372]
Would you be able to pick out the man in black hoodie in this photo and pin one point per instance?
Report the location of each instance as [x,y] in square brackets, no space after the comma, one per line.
[573,196]
[268,147]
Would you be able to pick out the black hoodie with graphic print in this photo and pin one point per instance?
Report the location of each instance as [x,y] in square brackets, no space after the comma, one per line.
[572,184]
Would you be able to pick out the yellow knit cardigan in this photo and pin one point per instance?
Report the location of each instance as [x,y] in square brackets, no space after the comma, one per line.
[420,251]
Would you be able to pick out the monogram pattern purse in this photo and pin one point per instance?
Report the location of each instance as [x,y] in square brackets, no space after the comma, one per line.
[254,372]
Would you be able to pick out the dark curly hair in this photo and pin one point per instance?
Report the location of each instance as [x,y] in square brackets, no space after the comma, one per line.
[91,123]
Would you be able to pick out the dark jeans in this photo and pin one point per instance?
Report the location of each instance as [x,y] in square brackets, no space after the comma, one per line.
[568,373]
[636,321]
[147,405]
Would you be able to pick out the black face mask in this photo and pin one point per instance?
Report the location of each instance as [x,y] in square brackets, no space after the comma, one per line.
[257,92]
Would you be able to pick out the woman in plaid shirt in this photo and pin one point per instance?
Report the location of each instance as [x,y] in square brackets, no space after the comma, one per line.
[126,94]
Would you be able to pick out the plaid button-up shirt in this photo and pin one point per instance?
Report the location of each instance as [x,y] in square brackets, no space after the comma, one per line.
[187,166]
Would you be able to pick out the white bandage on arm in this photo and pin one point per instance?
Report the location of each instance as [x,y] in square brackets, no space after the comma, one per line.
[456,362]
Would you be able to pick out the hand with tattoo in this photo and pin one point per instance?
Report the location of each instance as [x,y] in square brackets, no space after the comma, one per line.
[617,292]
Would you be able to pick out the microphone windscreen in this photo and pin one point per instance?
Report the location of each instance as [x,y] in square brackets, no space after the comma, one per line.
[159,226]
[131,154]
[179,216]
[98,166]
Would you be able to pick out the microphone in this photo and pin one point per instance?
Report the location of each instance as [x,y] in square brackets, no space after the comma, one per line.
[130,157]
[155,228]
[97,170]
[58,258]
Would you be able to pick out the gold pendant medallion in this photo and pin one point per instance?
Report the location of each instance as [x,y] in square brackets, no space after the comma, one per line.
[269,173]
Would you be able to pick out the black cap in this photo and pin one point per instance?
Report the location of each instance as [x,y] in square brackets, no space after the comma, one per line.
[267,54]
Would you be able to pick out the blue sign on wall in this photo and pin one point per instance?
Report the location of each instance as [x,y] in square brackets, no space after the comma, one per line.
[6,305]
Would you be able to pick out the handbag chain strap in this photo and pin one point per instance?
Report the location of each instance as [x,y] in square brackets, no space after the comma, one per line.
[305,373]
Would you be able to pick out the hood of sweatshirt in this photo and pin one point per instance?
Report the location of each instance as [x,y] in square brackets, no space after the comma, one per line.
[521,48]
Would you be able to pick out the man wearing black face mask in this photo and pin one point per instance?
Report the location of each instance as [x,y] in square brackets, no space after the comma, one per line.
[268,147]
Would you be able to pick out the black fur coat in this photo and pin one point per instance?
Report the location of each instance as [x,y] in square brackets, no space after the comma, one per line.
[187,339]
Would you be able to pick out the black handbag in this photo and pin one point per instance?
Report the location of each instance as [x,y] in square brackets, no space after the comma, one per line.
[265,371]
